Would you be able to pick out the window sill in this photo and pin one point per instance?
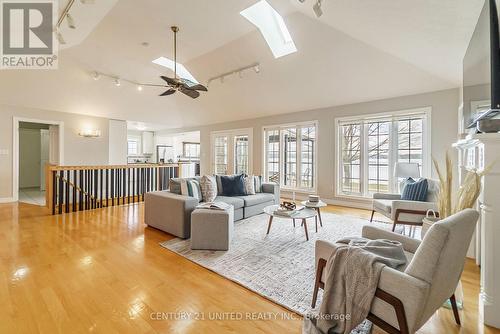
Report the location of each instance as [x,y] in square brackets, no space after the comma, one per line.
[298,190]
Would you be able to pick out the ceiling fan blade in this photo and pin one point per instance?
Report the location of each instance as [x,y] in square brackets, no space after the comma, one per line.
[189,92]
[168,92]
[170,81]
[199,87]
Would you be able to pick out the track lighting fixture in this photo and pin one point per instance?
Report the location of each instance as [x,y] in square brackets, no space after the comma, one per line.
[117,82]
[60,37]
[317,8]
[256,68]
[96,75]
[70,21]
[88,2]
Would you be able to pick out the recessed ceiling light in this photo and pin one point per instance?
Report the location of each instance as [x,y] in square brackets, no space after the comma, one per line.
[272,26]
[139,88]
[181,70]
[317,8]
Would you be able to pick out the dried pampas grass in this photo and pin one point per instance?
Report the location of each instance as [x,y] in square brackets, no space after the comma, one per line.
[468,191]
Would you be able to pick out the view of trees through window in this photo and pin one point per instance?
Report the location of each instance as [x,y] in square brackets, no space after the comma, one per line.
[370,148]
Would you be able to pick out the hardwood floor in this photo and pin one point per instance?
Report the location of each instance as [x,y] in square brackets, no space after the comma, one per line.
[103,271]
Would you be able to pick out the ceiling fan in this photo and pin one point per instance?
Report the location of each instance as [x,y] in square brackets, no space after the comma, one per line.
[182,85]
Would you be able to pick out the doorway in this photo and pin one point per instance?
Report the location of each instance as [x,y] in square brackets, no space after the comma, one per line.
[36,144]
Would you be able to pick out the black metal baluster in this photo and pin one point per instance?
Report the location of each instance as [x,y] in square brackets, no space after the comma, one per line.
[101,173]
[107,187]
[74,190]
[124,177]
[67,191]
[61,191]
[133,185]
[96,189]
[54,191]
[112,187]
[80,185]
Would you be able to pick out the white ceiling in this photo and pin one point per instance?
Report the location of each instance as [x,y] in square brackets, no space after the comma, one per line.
[357,51]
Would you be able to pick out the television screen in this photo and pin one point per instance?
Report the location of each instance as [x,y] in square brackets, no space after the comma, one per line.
[477,69]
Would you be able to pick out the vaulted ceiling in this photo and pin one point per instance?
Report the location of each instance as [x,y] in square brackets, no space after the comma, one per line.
[359,50]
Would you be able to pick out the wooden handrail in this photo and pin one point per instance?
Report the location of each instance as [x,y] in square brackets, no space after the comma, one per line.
[78,188]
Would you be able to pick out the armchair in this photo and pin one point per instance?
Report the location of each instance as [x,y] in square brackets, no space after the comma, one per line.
[406,299]
[405,212]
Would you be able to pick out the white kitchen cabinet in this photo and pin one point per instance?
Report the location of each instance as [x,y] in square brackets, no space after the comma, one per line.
[147,142]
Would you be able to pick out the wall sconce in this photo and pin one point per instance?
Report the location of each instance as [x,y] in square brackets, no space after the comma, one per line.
[90,133]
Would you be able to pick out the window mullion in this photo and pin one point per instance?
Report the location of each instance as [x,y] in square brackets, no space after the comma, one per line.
[298,157]
[364,159]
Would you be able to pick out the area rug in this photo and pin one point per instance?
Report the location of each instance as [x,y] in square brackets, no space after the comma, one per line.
[278,266]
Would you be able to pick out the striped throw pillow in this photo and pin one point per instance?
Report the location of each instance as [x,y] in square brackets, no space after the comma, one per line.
[191,188]
[415,190]
[257,183]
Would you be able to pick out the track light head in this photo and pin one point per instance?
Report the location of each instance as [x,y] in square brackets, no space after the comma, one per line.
[70,21]
[256,68]
[60,37]
[317,8]
[117,82]
[96,75]
[88,2]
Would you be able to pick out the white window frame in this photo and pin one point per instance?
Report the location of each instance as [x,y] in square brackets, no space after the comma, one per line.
[393,150]
[298,126]
[231,148]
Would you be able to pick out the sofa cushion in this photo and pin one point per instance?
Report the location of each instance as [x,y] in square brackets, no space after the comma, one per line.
[251,200]
[232,185]
[236,202]
[384,205]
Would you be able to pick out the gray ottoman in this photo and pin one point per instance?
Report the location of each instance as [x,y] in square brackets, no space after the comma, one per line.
[212,229]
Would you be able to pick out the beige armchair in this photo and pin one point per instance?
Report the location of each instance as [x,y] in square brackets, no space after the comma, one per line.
[405,299]
[405,212]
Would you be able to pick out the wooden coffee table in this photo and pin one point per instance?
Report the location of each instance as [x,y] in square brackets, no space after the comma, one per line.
[303,214]
[317,207]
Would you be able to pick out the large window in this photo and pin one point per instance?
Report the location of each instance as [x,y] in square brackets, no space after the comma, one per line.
[232,151]
[220,158]
[241,154]
[369,147]
[290,155]
[191,150]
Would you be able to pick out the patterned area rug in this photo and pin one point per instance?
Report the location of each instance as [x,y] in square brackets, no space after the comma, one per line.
[279,266]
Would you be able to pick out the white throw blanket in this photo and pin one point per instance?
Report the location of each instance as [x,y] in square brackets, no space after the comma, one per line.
[352,276]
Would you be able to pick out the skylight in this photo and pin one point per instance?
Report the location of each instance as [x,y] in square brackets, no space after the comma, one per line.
[182,72]
[272,27]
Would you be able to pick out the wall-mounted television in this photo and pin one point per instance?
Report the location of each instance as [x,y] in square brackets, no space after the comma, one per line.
[481,68]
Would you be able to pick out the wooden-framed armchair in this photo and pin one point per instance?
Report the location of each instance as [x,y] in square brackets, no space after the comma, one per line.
[406,298]
[405,212]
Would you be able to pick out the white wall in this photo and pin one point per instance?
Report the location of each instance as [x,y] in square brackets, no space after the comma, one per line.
[117,142]
[29,158]
[444,130]
[77,150]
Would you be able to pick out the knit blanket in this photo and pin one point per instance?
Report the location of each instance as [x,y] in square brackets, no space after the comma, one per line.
[352,275]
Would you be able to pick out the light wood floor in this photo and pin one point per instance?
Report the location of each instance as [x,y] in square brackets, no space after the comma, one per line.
[104,272]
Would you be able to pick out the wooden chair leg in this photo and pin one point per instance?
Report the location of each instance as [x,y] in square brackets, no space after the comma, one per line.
[454,306]
[319,272]
[371,218]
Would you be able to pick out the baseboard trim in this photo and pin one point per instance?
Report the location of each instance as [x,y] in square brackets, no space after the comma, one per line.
[7,200]
[349,204]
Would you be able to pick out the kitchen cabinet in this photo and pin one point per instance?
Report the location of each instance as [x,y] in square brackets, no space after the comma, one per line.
[147,142]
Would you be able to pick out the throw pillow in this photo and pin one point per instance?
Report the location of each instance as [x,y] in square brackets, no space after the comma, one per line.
[191,188]
[415,190]
[219,185]
[208,186]
[258,183]
[249,185]
[232,185]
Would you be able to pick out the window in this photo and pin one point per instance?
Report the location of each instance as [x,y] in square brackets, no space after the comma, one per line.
[369,148]
[290,156]
[241,155]
[220,149]
[133,147]
[232,151]
[191,150]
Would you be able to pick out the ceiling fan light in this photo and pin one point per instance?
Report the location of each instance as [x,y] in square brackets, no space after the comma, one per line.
[70,21]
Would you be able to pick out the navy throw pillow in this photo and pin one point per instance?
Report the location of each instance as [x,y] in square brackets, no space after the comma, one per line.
[232,185]
[415,190]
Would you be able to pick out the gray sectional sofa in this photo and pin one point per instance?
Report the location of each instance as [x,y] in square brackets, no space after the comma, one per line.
[170,211]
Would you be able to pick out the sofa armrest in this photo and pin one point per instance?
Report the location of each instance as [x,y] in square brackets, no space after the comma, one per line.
[372,233]
[272,188]
[391,197]
[323,250]
[411,291]
[169,212]
[420,208]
